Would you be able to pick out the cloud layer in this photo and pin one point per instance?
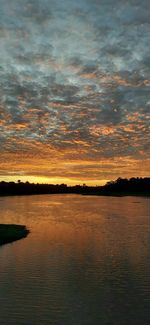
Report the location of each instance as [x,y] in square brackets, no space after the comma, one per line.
[74,88]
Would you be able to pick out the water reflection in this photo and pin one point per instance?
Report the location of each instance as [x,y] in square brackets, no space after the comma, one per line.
[86,261]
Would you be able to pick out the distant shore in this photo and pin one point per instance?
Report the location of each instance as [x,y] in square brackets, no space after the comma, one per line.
[120,187]
[81,193]
[121,194]
[10,233]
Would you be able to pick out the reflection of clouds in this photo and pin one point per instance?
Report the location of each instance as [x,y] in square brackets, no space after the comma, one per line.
[75,79]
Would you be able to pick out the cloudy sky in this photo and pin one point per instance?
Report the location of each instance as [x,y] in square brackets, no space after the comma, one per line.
[74,90]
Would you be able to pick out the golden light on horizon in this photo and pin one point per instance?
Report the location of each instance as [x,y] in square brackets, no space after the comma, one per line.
[74,107]
[52,180]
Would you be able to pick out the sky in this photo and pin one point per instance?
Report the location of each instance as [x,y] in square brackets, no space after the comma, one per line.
[74,90]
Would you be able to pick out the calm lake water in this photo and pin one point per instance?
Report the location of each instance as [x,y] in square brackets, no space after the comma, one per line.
[86,261]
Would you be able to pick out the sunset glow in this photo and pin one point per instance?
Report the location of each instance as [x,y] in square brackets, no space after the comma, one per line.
[75,91]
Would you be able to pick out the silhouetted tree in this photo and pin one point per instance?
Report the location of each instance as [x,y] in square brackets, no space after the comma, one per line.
[121,186]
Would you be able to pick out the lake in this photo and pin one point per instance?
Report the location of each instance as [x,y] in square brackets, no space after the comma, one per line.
[86,261]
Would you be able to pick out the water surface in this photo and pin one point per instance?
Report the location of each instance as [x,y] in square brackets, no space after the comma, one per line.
[86,261]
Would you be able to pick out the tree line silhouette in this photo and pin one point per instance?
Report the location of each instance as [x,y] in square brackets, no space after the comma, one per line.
[121,186]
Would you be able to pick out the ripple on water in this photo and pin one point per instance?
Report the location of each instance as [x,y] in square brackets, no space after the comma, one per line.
[86,261]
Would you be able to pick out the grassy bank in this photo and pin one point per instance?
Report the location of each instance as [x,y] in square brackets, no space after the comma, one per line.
[10,233]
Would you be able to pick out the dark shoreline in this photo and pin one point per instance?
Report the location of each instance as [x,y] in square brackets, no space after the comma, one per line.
[120,187]
[80,193]
[120,195]
[10,233]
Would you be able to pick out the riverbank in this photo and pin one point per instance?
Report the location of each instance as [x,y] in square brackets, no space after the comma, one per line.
[120,187]
[122,194]
[10,233]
